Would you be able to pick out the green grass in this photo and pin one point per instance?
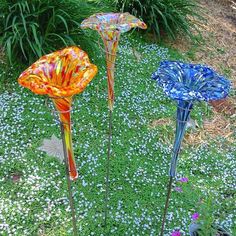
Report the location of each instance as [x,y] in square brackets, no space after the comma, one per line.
[38,205]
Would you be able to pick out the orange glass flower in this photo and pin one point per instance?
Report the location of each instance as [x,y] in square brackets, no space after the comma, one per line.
[61,75]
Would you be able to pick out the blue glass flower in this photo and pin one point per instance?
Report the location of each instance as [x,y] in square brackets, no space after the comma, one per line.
[190,82]
[187,83]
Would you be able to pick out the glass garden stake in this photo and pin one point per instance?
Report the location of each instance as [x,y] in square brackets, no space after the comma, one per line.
[110,26]
[60,75]
[186,84]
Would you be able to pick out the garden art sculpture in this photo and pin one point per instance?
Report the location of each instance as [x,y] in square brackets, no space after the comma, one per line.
[187,84]
[110,26]
[61,75]
[65,73]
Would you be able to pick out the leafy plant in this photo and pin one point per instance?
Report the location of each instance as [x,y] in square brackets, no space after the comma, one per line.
[168,17]
[204,223]
[33,28]
[207,215]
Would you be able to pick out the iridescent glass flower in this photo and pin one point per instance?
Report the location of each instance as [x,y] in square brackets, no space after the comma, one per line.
[110,26]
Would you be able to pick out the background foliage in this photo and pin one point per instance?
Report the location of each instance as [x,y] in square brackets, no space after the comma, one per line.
[30,29]
[168,17]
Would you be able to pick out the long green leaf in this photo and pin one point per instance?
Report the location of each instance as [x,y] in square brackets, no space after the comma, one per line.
[8,45]
[64,22]
[34,30]
[22,47]
[60,37]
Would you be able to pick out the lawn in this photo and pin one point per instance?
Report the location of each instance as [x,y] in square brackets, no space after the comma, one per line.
[33,190]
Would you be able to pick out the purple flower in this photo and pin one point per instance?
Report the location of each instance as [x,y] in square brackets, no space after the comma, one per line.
[178,189]
[195,216]
[176,233]
[183,180]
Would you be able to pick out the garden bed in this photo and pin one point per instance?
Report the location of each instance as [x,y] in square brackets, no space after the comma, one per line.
[33,195]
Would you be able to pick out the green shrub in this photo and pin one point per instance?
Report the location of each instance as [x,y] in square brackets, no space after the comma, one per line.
[33,28]
[168,17]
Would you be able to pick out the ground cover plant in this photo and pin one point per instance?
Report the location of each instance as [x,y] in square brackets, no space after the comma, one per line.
[33,192]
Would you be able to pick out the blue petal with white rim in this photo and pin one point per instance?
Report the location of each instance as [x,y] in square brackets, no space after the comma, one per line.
[191,82]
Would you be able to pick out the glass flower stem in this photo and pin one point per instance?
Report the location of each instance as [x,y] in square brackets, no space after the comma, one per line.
[108,168]
[71,201]
[182,117]
[110,49]
[63,106]
[166,205]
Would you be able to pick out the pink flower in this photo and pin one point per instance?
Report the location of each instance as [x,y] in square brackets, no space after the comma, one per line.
[183,180]
[178,189]
[195,216]
[176,233]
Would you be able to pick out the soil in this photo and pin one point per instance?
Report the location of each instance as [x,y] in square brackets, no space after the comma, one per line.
[218,49]
[218,30]
[220,35]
